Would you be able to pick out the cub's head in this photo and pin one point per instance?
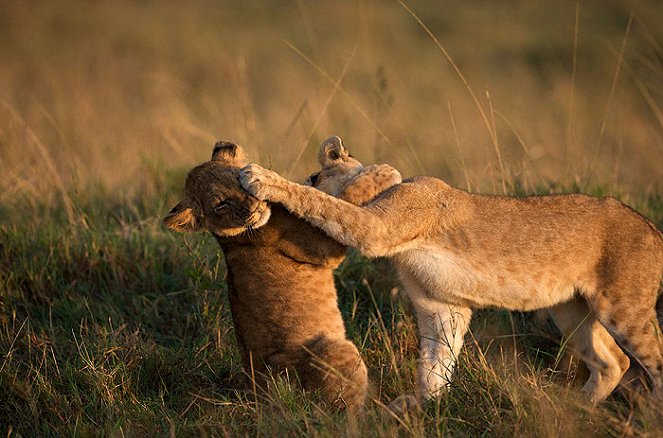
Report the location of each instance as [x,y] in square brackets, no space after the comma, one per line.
[343,176]
[214,199]
[337,167]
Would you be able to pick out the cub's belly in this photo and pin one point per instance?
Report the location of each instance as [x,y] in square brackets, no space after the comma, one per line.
[455,279]
[276,308]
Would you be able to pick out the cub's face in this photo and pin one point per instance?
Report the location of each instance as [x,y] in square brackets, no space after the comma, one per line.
[214,199]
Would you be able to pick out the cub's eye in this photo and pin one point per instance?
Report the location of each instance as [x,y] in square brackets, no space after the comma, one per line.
[220,205]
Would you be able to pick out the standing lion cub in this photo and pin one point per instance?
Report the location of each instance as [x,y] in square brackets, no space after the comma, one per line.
[280,270]
[595,263]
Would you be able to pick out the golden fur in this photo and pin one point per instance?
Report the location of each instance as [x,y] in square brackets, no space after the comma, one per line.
[282,295]
[595,263]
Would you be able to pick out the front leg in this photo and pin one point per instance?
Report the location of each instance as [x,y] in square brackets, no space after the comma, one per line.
[264,184]
[441,331]
[379,229]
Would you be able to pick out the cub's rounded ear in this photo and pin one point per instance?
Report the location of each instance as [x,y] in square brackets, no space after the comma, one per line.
[332,150]
[228,152]
[182,218]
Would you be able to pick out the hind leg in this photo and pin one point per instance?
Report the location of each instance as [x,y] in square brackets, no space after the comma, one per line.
[335,367]
[633,322]
[587,337]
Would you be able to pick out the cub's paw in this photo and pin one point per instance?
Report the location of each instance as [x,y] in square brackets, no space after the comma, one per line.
[404,406]
[389,176]
[260,182]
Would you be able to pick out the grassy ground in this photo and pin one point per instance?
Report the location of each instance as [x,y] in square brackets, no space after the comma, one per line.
[112,325]
[109,325]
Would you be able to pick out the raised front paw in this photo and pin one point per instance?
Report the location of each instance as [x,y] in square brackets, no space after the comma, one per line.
[260,182]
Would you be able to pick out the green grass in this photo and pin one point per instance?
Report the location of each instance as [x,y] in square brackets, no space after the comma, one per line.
[114,326]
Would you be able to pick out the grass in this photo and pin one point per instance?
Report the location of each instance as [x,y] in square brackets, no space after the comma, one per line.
[114,326]
[109,325]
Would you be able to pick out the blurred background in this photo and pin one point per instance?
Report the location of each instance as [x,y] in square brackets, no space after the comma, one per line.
[115,96]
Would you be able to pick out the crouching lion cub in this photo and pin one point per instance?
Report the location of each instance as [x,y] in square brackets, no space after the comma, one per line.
[595,263]
[282,295]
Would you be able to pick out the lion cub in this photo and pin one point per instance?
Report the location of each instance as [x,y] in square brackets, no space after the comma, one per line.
[595,263]
[282,295]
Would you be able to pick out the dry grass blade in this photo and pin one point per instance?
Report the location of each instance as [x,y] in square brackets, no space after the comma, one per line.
[574,68]
[11,347]
[48,159]
[613,86]
[347,95]
[461,76]
[311,132]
